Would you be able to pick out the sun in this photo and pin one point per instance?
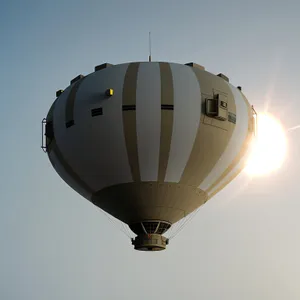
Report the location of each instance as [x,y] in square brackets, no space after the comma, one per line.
[268,148]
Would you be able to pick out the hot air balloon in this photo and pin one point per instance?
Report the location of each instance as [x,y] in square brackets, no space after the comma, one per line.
[148,142]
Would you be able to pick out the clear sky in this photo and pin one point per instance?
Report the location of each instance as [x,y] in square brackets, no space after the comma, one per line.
[242,245]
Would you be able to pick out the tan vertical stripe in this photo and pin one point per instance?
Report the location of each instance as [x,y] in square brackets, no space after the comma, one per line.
[68,169]
[71,101]
[167,97]
[210,141]
[242,153]
[129,119]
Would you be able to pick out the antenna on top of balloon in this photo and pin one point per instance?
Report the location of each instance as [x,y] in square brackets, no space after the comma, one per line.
[149,46]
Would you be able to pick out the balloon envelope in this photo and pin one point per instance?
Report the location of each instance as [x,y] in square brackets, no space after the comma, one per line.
[149,142]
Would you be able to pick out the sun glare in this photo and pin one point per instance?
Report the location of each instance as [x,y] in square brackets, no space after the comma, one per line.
[268,148]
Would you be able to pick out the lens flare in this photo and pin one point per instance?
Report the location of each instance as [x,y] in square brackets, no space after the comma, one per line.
[268,148]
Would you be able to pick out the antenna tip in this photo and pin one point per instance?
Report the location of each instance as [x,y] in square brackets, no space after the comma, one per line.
[149,46]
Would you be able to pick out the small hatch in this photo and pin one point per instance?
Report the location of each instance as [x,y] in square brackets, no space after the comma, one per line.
[97,112]
[128,107]
[232,117]
[167,107]
[70,123]
[224,104]
[76,78]
[193,65]
[217,107]
[59,92]
[223,77]
[103,66]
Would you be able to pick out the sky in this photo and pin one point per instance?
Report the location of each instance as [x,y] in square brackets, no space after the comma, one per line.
[242,244]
